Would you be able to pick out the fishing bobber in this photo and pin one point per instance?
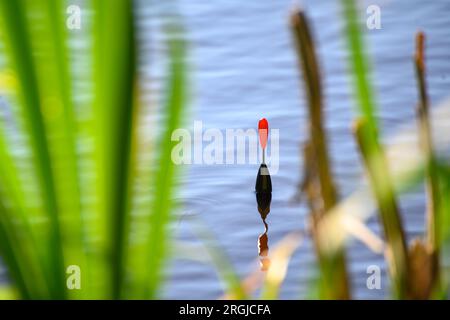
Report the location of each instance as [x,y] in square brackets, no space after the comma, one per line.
[263,181]
[263,132]
[263,188]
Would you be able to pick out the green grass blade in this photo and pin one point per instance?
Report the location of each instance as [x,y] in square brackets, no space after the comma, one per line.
[12,256]
[20,56]
[49,43]
[114,80]
[373,154]
[164,175]
[19,244]
[359,65]
[389,212]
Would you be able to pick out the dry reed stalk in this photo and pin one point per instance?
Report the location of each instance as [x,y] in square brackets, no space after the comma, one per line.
[319,186]
[432,180]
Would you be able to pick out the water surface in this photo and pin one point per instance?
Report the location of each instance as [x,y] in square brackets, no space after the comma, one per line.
[244,68]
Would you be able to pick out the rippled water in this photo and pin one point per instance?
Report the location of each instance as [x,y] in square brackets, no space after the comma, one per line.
[243,68]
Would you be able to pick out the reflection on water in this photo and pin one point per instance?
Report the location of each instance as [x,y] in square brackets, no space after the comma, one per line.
[263,188]
[263,248]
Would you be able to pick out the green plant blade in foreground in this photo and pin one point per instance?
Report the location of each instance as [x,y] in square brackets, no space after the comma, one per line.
[147,247]
[51,60]
[165,171]
[373,154]
[42,235]
[19,51]
[114,78]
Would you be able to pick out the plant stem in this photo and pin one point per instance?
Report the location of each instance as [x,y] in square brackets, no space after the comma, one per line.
[333,266]
[426,141]
[384,193]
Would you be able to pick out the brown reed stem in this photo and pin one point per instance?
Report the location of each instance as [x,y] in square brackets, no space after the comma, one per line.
[321,191]
[313,88]
[426,142]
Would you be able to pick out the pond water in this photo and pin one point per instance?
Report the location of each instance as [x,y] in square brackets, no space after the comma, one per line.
[244,68]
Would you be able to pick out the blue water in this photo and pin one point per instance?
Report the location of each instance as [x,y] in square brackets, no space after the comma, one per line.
[243,67]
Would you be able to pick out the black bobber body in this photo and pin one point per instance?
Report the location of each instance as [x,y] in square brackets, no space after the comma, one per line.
[263,181]
[263,188]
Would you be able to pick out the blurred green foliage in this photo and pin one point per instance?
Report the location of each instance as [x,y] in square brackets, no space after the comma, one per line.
[52,215]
